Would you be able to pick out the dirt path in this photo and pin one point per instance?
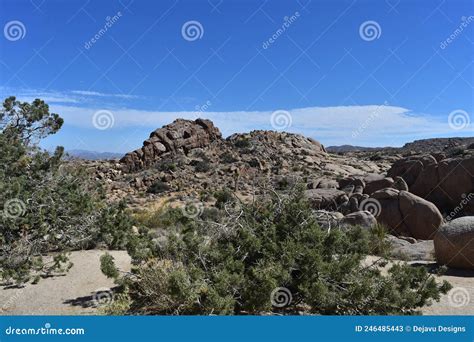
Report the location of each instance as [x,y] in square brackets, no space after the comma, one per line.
[71,294]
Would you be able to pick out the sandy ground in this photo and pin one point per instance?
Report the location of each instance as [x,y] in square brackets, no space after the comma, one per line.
[75,292]
[71,294]
[458,301]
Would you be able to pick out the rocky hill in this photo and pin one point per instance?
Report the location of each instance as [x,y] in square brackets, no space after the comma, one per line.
[192,157]
[413,191]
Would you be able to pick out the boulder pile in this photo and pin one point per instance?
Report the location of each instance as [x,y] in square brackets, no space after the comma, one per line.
[412,195]
[444,182]
[407,214]
[181,135]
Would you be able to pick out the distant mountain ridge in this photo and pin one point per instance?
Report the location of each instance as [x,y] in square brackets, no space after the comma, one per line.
[423,145]
[438,144]
[92,155]
[351,148]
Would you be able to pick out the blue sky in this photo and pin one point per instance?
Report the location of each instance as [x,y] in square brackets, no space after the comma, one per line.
[408,76]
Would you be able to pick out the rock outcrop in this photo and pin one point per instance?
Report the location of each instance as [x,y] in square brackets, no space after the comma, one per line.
[181,135]
[326,199]
[454,243]
[363,219]
[446,183]
[410,249]
[407,214]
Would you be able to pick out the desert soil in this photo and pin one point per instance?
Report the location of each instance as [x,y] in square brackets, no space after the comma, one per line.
[73,293]
[460,300]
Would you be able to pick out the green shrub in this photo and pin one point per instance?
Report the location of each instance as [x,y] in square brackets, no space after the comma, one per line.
[254,162]
[237,266]
[118,307]
[107,266]
[379,244]
[166,166]
[48,205]
[158,187]
[283,183]
[242,143]
[202,166]
[161,218]
[227,158]
[222,197]
[211,214]
[457,151]
[375,157]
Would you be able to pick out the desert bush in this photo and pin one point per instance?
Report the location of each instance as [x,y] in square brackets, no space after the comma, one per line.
[375,157]
[166,166]
[242,143]
[202,166]
[457,151]
[238,265]
[211,214]
[160,218]
[227,158]
[222,197]
[377,240]
[118,307]
[46,204]
[282,183]
[254,162]
[158,187]
[107,266]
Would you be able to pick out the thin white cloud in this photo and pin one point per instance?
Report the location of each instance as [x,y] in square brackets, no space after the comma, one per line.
[371,125]
[98,94]
[29,95]
[58,97]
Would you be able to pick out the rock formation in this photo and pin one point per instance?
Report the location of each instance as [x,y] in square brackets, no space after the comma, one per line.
[454,243]
[407,214]
[181,135]
[404,191]
[446,183]
[359,218]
